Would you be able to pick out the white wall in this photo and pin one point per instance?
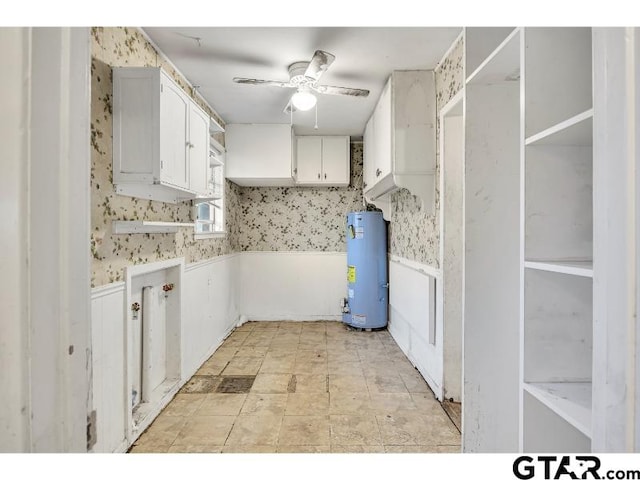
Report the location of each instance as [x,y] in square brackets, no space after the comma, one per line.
[14,93]
[108,361]
[414,322]
[45,203]
[210,308]
[209,313]
[292,285]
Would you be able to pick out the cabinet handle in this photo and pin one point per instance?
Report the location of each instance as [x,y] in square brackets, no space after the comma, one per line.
[364,185]
[325,176]
[378,172]
[318,176]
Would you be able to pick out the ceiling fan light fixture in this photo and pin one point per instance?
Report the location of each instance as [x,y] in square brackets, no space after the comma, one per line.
[303,100]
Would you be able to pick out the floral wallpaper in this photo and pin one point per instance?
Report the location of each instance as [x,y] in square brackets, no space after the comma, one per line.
[114,47]
[414,234]
[299,218]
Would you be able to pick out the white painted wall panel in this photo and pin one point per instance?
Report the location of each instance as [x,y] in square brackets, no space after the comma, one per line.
[292,285]
[108,374]
[411,312]
[210,309]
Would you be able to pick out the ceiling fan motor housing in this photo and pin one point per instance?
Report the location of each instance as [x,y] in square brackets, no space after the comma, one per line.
[296,74]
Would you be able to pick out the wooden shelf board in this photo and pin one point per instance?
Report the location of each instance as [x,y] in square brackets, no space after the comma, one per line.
[503,65]
[144,226]
[214,126]
[570,400]
[582,268]
[217,146]
[577,130]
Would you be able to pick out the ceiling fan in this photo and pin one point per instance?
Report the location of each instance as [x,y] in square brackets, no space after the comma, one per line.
[304,77]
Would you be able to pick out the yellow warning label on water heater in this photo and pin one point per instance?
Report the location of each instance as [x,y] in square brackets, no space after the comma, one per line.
[351,274]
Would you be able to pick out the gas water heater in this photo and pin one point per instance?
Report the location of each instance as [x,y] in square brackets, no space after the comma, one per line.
[367,284]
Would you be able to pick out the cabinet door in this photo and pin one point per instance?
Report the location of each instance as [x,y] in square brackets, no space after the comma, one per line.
[174,111]
[309,153]
[382,131]
[369,161]
[198,150]
[335,160]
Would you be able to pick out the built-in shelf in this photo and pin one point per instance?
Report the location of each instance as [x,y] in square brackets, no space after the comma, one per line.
[503,65]
[582,268]
[217,146]
[576,131]
[570,400]
[215,127]
[143,226]
[206,199]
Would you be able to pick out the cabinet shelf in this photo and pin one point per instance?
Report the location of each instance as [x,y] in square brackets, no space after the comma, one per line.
[582,268]
[144,226]
[503,65]
[214,126]
[577,130]
[570,400]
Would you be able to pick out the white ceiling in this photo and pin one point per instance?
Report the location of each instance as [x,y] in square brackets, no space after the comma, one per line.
[365,57]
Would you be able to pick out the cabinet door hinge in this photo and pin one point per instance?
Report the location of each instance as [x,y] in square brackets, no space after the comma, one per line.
[161,87]
[161,164]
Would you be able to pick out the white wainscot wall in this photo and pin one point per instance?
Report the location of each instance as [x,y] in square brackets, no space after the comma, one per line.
[415,317]
[210,312]
[292,285]
[108,372]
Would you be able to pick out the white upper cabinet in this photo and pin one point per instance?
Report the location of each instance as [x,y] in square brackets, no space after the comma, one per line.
[322,160]
[199,169]
[399,140]
[259,154]
[160,137]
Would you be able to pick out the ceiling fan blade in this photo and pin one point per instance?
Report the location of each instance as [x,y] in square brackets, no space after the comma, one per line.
[268,83]
[330,90]
[289,108]
[319,64]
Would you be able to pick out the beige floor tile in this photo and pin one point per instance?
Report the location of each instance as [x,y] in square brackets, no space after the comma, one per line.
[371,369]
[343,356]
[314,345]
[344,368]
[305,430]
[373,355]
[201,384]
[208,430]
[312,355]
[304,449]
[243,366]
[350,403]
[162,432]
[265,325]
[422,449]
[245,327]
[212,367]
[184,404]
[255,430]
[347,383]
[354,430]
[265,404]
[310,383]
[383,403]
[417,430]
[415,383]
[251,351]
[275,362]
[283,347]
[310,368]
[195,449]
[145,448]
[258,340]
[314,327]
[307,404]
[223,354]
[221,404]
[249,449]
[426,403]
[386,384]
[271,383]
[357,449]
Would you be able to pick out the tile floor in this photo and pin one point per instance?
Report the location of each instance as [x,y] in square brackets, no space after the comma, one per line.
[303,387]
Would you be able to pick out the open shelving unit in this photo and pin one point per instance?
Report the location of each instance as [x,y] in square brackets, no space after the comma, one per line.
[144,226]
[492,220]
[557,241]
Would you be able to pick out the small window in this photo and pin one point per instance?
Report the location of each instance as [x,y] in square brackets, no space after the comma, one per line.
[209,210]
